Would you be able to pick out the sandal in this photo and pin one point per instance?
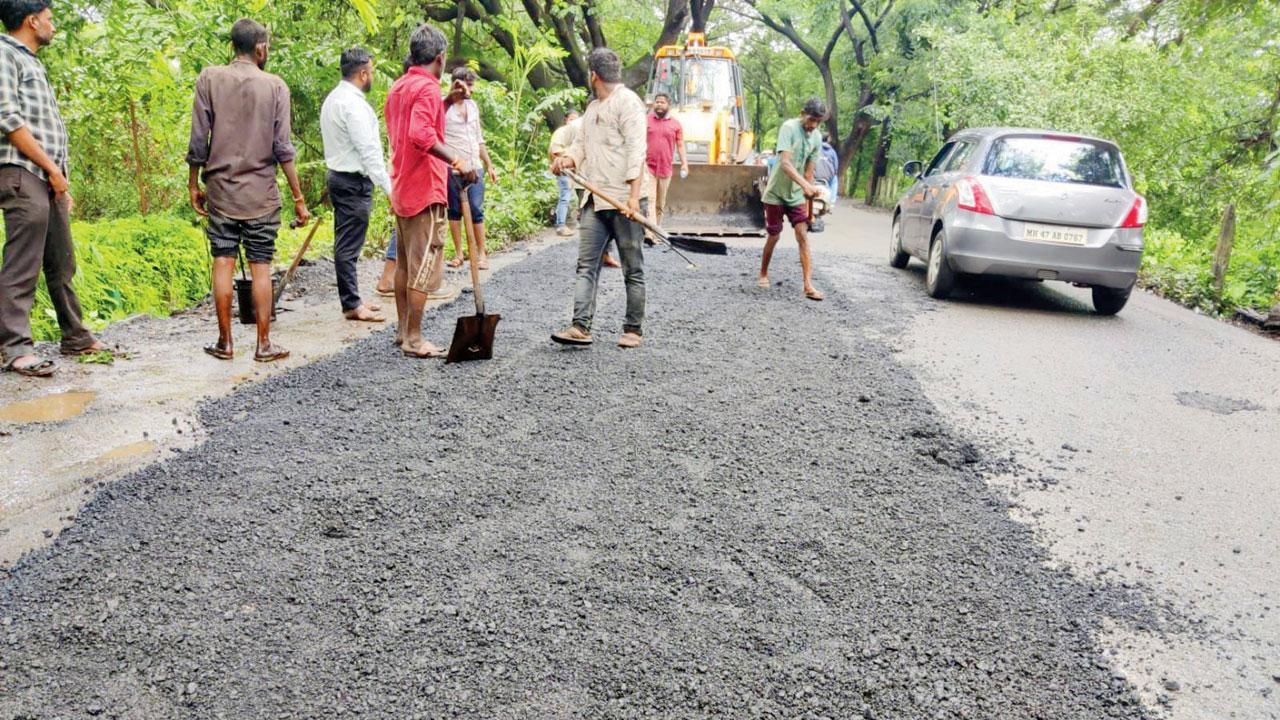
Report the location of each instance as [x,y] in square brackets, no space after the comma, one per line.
[456,262]
[97,347]
[484,264]
[573,336]
[273,352]
[220,352]
[385,292]
[814,295]
[40,368]
[762,283]
[367,316]
[424,351]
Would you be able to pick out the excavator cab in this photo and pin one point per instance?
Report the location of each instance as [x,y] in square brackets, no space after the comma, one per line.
[721,196]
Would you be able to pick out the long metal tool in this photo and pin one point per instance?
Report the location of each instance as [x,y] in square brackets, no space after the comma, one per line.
[473,337]
[297,260]
[707,247]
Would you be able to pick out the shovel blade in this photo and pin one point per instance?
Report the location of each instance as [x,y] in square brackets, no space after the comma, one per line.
[698,245]
[473,338]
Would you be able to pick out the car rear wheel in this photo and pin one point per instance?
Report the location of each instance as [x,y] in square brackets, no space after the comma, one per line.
[939,278]
[1109,301]
[897,258]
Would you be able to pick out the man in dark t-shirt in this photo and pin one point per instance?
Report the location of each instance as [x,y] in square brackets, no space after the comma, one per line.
[239,134]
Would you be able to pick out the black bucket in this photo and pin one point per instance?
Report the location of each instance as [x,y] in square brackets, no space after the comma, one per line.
[244,300]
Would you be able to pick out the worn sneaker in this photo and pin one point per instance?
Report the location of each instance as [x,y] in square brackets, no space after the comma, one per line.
[564,231]
[630,340]
[573,336]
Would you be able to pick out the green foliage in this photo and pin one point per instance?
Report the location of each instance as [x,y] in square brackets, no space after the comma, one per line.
[154,265]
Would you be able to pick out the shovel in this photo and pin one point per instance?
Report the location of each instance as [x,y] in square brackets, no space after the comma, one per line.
[473,337]
[692,244]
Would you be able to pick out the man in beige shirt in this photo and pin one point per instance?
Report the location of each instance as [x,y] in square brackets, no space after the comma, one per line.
[561,141]
[610,153]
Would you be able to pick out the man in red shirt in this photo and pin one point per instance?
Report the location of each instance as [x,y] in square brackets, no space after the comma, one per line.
[664,136]
[420,163]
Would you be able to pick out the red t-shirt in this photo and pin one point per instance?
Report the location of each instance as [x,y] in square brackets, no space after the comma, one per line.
[415,123]
[663,134]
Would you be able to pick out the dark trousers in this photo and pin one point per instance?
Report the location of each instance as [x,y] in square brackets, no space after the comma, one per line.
[352,198]
[595,229]
[38,236]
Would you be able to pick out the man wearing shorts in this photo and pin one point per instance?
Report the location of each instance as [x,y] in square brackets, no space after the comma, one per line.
[239,134]
[420,162]
[465,137]
[791,187]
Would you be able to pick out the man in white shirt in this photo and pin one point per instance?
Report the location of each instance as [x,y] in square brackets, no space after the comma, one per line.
[353,154]
[464,135]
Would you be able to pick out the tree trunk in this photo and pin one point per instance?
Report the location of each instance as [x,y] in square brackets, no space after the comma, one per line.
[857,177]
[880,162]
[699,11]
[139,177]
[1222,254]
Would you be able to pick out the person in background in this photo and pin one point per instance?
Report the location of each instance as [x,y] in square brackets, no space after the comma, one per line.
[609,153]
[665,136]
[791,187]
[827,171]
[34,195]
[420,162]
[465,137]
[353,156]
[240,127]
[561,141]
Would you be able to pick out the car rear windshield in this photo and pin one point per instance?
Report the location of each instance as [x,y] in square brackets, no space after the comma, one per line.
[1055,159]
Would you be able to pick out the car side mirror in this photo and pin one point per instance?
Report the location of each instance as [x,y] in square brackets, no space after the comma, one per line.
[913,169]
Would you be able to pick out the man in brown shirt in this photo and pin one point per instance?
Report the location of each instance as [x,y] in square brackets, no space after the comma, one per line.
[239,133]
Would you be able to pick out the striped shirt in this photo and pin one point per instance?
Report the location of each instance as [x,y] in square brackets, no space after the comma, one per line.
[26,100]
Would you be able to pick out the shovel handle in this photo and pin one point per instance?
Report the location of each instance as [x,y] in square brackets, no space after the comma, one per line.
[297,259]
[464,199]
[644,222]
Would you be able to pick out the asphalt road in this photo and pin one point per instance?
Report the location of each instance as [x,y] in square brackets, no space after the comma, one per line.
[759,514]
[1150,453]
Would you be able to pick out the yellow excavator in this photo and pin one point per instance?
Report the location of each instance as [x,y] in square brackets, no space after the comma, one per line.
[721,196]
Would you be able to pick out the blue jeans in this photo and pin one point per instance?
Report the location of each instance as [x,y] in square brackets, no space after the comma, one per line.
[834,185]
[565,201]
[475,198]
[391,246]
[596,228]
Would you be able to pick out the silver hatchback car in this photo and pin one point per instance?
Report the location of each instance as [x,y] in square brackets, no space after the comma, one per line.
[1020,203]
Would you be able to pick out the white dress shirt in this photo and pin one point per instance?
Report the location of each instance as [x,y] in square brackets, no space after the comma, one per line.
[350,131]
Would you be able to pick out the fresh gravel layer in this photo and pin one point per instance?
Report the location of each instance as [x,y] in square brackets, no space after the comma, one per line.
[756,514]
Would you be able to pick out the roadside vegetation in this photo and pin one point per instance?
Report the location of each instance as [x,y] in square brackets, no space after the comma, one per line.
[1189,88]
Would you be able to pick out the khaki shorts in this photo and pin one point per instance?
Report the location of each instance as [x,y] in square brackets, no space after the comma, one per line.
[421,246]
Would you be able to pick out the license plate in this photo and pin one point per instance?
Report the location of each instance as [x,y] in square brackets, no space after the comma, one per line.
[1055,234]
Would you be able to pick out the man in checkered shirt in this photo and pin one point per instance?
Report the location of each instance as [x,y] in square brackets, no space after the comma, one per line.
[33,194]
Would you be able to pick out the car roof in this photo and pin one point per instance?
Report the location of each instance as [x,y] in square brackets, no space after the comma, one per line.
[994,132]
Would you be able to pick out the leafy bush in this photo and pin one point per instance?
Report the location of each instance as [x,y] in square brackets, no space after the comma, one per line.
[155,265]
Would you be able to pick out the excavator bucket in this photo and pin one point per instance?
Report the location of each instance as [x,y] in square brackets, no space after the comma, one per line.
[716,200]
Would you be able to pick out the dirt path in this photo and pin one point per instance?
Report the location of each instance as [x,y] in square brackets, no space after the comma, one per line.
[757,514]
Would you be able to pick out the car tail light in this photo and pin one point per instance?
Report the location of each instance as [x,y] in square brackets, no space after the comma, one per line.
[1137,216]
[971,196]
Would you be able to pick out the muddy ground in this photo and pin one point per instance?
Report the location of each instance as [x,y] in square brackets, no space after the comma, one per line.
[756,514]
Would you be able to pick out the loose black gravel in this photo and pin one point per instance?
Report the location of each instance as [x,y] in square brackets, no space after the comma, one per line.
[755,515]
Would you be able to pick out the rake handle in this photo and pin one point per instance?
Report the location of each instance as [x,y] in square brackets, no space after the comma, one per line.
[644,222]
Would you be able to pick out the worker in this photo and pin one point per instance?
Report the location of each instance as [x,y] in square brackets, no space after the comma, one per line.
[353,157]
[465,136]
[561,141]
[665,136]
[240,123]
[35,196]
[420,162]
[610,154]
[791,187]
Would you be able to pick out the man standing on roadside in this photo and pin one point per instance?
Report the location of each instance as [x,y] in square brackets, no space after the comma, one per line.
[239,134]
[465,137]
[791,187]
[34,195]
[609,153]
[420,162]
[561,141]
[353,156]
[665,136]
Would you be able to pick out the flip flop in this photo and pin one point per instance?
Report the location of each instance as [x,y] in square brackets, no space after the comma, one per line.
[419,354]
[42,368]
[762,283]
[100,347]
[386,292]
[455,263]
[815,295]
[274,352]
[219,352]
[484,265]
[373,317]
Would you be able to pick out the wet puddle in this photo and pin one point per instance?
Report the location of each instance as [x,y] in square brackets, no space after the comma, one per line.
[49,408]
[131,450]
